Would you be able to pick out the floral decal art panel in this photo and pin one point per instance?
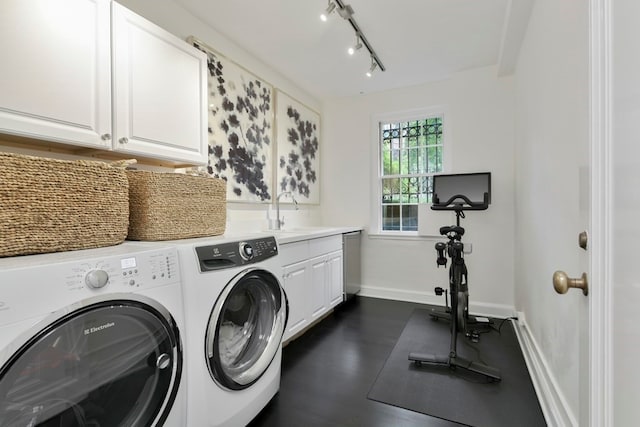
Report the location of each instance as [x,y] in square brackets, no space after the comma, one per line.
[240,129]
[298,161]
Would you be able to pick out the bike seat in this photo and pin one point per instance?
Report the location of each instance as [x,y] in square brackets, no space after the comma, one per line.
[453,228]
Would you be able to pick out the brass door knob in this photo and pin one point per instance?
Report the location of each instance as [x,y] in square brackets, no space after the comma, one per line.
[562,283]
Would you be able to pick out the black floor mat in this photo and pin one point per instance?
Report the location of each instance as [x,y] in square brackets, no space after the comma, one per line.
[458,395]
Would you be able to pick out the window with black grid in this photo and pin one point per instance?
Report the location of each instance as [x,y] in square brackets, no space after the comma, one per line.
[411,153]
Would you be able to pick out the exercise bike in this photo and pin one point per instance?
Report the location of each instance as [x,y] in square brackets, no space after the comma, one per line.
[458,286]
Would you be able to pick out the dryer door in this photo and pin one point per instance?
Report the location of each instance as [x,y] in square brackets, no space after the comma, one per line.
[109,363]
[245,329]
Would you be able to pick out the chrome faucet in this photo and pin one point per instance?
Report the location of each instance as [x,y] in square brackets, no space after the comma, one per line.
[280,222]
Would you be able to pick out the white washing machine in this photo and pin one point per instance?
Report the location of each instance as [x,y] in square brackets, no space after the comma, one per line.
[92,338]
[235,313]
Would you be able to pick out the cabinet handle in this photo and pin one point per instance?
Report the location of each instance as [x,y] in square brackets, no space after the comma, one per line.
[105,136]
[123,140]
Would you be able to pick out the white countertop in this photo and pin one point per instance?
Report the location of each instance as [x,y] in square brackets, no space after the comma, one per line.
[296,234]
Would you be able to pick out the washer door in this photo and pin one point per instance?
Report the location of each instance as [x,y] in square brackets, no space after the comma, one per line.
[111,363]
[245,329]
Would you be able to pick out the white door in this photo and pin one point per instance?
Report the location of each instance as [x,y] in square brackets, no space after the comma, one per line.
[553,200]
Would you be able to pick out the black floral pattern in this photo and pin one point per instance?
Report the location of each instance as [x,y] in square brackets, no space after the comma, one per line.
[298,143]
[240,129]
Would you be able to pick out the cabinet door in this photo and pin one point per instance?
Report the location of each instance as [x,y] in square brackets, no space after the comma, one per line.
[294,282]
[335,285]
[55,74]
[318,286]
[160,90]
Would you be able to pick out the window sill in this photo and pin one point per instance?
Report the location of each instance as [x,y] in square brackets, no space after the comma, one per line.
[402,236]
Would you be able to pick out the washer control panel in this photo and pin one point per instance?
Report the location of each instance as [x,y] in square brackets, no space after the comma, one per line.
[127,272]
[37,285]
[233,254]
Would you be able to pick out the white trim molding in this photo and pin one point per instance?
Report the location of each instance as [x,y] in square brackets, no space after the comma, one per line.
[600,141]
[555,408]
[477,308]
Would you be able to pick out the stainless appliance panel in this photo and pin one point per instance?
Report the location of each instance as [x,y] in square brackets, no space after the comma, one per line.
[351,264]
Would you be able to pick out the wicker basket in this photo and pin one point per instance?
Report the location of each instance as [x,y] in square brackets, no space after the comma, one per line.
[168,206]
[49,205]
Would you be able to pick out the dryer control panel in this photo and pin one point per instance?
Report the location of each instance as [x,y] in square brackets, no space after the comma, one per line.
[234,254]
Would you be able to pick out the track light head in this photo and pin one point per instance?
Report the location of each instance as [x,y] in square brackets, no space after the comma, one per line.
[374,64]
[345,12]
[358,46]
[330,8]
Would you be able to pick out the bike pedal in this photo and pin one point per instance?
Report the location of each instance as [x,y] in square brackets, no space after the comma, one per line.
[439,291]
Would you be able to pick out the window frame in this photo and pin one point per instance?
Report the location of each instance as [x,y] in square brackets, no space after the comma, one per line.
[377,172]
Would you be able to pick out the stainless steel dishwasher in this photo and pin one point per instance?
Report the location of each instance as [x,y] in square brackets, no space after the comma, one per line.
[351,264]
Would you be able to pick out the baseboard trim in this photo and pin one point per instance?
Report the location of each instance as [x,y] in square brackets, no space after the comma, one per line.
[476,308]
[554,406]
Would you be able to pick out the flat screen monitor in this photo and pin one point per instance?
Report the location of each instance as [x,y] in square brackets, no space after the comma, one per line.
[471,185]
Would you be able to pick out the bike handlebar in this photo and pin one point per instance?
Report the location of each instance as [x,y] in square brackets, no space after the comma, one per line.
[466,204]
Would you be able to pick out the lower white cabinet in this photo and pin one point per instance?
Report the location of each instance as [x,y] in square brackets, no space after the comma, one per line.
[326,283]
[312,279]
[294,281]
[335,277]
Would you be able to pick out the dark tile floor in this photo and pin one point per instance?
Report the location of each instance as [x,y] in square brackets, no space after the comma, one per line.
[328,372]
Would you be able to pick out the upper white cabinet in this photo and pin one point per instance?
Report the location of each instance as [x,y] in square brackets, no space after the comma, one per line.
[55,78]
[159,91]
[63,80]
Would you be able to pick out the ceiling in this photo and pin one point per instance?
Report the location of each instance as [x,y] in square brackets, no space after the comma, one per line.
[417,41]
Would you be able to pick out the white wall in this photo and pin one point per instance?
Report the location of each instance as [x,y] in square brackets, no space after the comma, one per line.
[480,110]
[551,158]
[177,20]
[625,211]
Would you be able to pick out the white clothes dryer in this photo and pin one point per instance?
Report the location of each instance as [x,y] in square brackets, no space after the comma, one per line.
[235,313]
[92,338]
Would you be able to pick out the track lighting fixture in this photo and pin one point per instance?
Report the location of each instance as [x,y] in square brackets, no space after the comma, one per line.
[346,12]
[330,8]
[358,46]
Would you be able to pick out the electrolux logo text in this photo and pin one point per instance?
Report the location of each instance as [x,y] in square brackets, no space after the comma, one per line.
[93,329]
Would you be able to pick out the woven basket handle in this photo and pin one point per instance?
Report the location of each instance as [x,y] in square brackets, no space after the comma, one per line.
[123,164]
[197,171]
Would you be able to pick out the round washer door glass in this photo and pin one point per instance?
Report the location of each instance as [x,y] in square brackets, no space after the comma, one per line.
[113,363]
[245,329]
